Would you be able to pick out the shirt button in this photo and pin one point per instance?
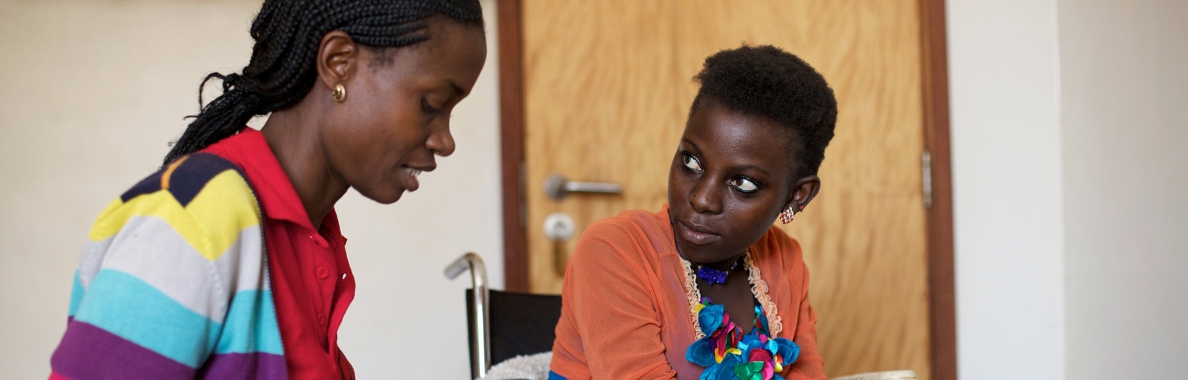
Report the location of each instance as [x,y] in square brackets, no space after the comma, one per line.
[319,241]
[323,273]
[321,318]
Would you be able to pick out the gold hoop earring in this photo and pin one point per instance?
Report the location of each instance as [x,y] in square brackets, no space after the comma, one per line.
[339,92]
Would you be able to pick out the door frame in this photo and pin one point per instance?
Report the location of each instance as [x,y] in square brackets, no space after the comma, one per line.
[935,78]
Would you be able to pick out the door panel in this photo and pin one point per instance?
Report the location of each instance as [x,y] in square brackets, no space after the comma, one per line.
[607,91]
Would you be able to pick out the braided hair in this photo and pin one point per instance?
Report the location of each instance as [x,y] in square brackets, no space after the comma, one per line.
[283,70]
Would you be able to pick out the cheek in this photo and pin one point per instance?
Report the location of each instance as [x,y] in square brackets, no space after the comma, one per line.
[395,128]
[752,214]
[677,183]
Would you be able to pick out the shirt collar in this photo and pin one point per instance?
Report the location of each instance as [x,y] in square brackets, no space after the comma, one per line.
[250,151]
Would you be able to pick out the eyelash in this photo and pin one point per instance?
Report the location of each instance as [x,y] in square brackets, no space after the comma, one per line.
[686,156]
[429,109]
[741,178]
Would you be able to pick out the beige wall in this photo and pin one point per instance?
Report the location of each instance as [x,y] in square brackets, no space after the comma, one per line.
[91,91]
[1124,97]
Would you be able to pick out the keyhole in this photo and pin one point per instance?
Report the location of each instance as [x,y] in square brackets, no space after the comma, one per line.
[558,227]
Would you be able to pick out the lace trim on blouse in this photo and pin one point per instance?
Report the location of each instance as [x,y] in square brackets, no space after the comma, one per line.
[759,289]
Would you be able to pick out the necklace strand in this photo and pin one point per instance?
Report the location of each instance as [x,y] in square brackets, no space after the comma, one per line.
[759,289]
[714,276]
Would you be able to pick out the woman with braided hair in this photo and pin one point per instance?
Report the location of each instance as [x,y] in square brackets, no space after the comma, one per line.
[228,262]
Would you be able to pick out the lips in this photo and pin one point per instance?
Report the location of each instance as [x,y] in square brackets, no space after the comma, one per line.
[695,234]
[409,177]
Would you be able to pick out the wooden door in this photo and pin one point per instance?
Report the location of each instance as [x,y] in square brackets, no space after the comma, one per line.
[607,88]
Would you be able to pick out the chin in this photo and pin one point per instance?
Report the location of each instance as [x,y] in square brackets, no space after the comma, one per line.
[697,256]
[702,254]
[384,197]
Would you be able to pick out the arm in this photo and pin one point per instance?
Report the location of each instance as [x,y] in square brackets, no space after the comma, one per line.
[154,285]
[613,307]
[810,365]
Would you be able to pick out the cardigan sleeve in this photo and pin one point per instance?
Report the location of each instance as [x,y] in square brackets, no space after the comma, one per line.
[163,285]
[612,311]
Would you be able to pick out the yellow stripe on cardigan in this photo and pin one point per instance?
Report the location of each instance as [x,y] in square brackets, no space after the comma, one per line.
[226,193]
[211,223]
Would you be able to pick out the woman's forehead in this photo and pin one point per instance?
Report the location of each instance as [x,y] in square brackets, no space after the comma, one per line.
[737,137]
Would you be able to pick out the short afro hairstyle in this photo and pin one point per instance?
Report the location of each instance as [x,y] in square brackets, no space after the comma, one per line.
[768,82]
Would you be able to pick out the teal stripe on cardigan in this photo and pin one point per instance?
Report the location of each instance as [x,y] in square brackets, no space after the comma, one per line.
[134,310]
[251,325]
[76,295]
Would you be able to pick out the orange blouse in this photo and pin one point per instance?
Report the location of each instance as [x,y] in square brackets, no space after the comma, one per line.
[624,311]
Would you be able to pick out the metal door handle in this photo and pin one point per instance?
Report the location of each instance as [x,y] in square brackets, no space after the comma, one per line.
[557,187]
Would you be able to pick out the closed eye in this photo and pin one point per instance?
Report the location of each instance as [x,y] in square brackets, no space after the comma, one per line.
[428,108]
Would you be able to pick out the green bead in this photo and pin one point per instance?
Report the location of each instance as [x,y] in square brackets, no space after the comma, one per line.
[749,371]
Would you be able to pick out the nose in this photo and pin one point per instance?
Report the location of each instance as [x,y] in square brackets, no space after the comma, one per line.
[441,142]
[704,197]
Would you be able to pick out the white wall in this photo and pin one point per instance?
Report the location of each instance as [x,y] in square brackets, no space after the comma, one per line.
[1007,194]
[1070,122]
[1124,80]
[91,91]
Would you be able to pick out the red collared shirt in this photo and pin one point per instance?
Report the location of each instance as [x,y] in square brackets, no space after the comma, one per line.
[312,283]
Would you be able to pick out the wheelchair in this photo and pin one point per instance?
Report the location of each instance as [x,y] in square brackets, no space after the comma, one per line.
[506,325]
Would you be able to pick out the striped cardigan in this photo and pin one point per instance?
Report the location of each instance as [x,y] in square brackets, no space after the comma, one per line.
[173,283]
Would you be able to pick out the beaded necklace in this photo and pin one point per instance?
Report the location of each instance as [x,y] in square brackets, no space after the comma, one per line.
[715,276]
[725,352]
[728,354]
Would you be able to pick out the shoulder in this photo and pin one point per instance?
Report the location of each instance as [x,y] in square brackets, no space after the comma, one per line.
[777,250]
[187,177]
[629,237]
[202,197]
[631,229]
[627,224]
[779,240]
[188,234]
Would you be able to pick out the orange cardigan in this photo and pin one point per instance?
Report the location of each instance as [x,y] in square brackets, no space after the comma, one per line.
[625,314]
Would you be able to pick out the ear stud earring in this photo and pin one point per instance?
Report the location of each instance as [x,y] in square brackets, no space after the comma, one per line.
[787,215]
[339,92]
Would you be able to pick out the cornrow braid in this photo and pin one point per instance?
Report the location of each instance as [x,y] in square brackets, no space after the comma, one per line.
[283,69]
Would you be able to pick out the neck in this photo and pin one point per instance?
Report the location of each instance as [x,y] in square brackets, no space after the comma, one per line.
[725,264]
[294,136]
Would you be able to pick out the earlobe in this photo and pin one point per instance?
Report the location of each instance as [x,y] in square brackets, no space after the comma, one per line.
[803,192]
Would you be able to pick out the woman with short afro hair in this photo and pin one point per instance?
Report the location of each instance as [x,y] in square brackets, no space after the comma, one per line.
[228,263]
[706,287]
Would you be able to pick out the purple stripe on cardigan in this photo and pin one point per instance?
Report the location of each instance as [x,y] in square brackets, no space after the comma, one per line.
[257,365]
[89,352]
